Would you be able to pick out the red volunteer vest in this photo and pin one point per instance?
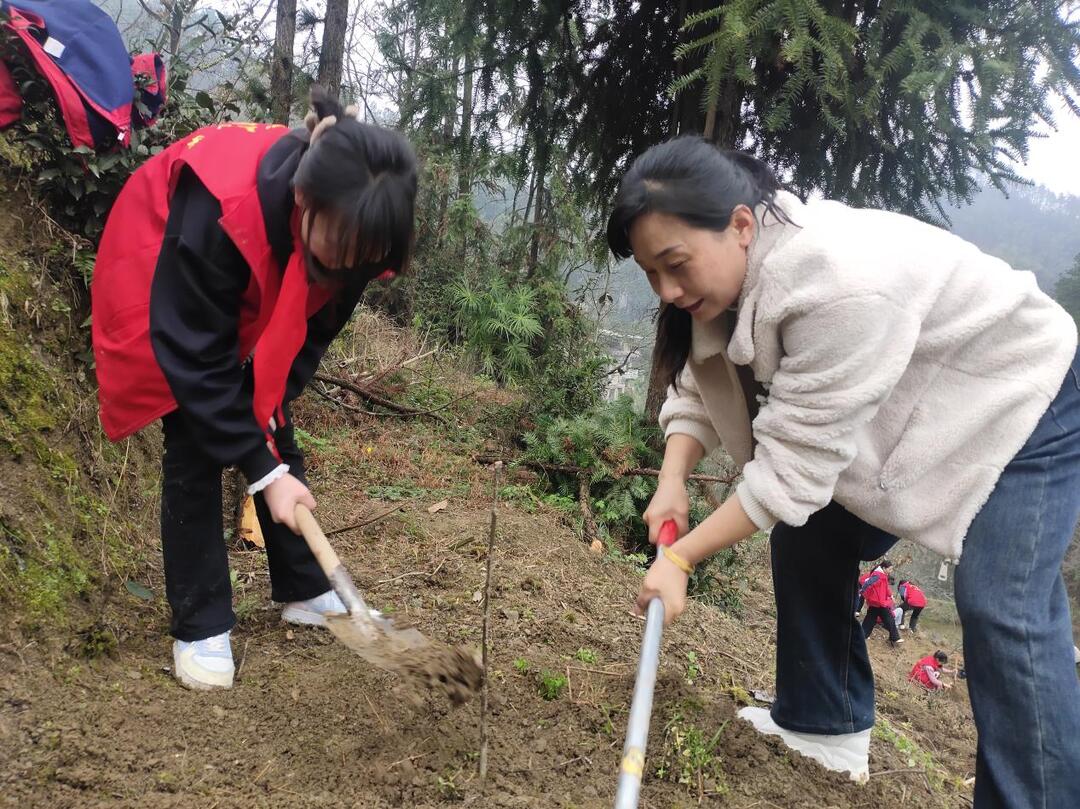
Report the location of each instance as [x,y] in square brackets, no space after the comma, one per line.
[879,594]
[919,675]
[132,390]
[914,596]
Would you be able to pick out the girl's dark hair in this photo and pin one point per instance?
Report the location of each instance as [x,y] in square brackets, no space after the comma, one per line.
[701,184]
[941,657]
[366,176]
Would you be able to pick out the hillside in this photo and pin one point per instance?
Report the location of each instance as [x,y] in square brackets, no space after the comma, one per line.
[92,717]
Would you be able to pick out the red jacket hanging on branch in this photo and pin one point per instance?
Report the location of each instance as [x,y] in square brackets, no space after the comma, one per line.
[141,364]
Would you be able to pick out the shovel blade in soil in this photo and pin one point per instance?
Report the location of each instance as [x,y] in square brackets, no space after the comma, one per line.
[407,653]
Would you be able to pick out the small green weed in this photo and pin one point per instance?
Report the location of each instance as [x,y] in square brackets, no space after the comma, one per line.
[689,755]
[913,754]
[448,787]
[693,670]
[521,665]
[586,656]
[398,491]
[551,686]
[306,441]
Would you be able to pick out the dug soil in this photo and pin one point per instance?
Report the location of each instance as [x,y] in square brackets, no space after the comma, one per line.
[93,717]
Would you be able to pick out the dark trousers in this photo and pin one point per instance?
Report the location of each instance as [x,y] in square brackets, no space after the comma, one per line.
[193,544]
[913,621]
[1018,632]
[823,679]
[887,618]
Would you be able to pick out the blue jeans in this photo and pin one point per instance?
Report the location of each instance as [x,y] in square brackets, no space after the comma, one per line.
[823,679]
[1018,646]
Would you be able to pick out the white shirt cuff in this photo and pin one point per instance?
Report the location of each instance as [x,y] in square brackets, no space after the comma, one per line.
[278,471]
[754,508]
[706,436]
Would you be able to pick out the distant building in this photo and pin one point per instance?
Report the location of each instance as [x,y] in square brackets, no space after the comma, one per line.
[618,384]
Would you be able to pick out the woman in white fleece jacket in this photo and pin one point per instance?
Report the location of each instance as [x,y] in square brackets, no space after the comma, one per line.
[873,377]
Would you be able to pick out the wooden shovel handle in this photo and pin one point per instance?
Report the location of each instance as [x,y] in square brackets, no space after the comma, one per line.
[316,540]
[339,577]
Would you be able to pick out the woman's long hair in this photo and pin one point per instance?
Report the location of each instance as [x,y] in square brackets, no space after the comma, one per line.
[701,184]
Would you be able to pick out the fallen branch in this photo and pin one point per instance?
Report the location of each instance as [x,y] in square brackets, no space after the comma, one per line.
[893,772]
[373,397]
[369,521]
[341,404]
[578,470]
[413,573]
[487,620]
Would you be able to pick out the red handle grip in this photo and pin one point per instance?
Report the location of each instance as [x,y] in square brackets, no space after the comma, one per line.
[669,532]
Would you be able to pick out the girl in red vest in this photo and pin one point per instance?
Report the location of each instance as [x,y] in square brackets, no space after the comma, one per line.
[228,264]
[925,672]
[911,598]
[879,602]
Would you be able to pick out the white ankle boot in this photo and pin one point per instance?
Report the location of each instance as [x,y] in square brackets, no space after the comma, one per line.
[843,752]
[204,664]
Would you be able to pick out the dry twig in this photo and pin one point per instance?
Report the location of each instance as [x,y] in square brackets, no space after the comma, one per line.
[487,620]
[362,523]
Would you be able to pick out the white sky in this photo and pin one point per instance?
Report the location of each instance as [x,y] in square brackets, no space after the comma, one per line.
[1055,161]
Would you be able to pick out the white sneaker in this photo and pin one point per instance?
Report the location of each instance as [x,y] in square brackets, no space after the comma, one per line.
[842,752]
[204,664]
[313,612]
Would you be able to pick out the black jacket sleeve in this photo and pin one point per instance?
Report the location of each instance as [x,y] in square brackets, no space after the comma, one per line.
[322,328]
[195,302]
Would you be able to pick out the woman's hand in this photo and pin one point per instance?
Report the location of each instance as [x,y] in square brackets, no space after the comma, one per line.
[282,496]
[671,502]
[666,580]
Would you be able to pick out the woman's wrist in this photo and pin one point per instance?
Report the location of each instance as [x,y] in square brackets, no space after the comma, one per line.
[672,476]
[726,526]
[681,455]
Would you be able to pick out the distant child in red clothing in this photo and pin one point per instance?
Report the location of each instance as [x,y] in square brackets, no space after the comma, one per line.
[927,672]
[879,602]
[912,599]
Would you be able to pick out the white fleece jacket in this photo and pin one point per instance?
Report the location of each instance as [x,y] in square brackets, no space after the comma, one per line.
[904,370]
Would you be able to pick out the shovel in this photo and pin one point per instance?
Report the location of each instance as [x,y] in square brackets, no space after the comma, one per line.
[378,640]
[637,727]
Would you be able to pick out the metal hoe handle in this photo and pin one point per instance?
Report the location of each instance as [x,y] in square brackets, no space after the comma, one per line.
[637,727]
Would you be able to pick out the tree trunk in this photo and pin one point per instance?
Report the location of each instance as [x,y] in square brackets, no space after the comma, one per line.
[677,102]
[710,120]
[175,11]
[333,45]
[657,392]
[281,70]
[538,212]
[448,140]
[465,135]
